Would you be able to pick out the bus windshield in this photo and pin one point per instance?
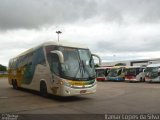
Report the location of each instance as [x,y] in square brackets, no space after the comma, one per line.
[78,64]
[151,69]
[132,71]
[115,72]
[100,72]
[152,72]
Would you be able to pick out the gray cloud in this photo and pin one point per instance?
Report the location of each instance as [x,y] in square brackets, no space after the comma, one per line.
[36,13]
[130,46]
[142,10]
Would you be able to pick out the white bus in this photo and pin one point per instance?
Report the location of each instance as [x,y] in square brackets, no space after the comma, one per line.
[116,73]
[56,68]
[102,73]
[134,73]
[152,73]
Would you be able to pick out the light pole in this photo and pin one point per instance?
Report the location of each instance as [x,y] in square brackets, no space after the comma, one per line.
[58,32]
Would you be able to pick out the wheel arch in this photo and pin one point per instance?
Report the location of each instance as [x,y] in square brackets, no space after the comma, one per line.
[43,81]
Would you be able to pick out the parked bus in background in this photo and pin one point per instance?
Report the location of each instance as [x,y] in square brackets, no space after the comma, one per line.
[116,73]
[152,73]
[134,73]
[63,69]
[102,73]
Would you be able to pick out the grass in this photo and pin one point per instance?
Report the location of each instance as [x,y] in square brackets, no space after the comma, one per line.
[3,76]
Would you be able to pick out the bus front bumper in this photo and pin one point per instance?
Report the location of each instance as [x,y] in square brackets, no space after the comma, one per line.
[69,91]
[134,80]
[115,79]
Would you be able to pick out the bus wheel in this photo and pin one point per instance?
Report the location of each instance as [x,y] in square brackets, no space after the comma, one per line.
[14,83]
[43,89]
[144,80]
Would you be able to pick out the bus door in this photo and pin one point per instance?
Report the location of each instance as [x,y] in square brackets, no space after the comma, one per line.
[55,68]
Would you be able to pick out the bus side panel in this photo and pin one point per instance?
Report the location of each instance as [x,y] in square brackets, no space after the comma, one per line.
[15,74]
[140,76]
[42,72]
[157,79]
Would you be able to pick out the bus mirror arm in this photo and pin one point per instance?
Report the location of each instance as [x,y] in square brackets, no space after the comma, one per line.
[143,70]
[100,61]
[60,55]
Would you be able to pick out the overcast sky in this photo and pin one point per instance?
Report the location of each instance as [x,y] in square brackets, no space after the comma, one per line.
[113,29]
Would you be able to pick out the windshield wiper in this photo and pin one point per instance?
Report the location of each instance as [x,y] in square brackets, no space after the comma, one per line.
[81,66]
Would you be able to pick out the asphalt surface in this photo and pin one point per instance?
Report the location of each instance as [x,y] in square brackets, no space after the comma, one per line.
[110,98]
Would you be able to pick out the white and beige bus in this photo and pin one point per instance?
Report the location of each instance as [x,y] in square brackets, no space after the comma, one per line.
[102,73]
[135,74]
[63,69]
[152,73]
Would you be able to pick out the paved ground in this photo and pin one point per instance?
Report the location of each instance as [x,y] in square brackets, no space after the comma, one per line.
[111,97]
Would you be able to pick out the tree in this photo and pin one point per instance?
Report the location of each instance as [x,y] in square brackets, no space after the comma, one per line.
[120,64]
[96,65]
[3,68]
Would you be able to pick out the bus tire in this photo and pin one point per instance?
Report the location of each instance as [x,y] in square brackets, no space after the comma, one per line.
[144,80]
[43,89]
[14,83]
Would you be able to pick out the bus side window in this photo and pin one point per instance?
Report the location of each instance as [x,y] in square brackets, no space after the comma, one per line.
[140,69]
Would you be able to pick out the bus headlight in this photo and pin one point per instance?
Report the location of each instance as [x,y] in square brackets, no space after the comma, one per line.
[67,84]
[95,82]
[61,83]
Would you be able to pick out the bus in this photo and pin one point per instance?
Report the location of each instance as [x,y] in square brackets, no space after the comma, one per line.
[102,73]
[116,73]
[135,74]
[152,73]
[63,69]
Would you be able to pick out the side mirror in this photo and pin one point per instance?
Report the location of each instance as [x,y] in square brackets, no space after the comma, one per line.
[100,61]
[144,70]
[60,55]
[119,72]
[158,71]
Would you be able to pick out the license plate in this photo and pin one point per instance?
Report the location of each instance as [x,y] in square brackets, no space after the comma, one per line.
[83,91]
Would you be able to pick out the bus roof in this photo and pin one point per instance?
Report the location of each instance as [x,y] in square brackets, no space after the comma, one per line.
[65,44]
[154,65]
[103,67]
[135,67]
[119,67]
